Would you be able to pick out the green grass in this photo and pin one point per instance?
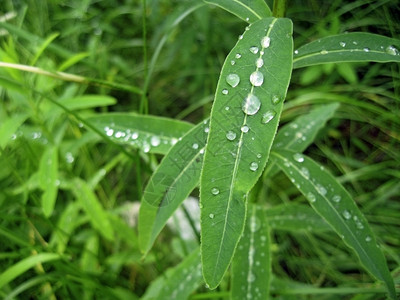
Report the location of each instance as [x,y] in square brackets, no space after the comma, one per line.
[69,191]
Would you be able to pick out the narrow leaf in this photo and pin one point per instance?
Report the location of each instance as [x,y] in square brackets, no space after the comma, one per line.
[244,119]
[24,265]
[248,10]
[48,179]
[91,205]
[88,101]
[329,198]
[148,133]
[251,266]
[357,46]
[8,128]
[176,176]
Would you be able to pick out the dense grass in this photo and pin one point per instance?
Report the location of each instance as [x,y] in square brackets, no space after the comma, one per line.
[174,63]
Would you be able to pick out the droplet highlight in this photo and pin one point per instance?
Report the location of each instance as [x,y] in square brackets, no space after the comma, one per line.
[392,50]
[251,104]
[298,157]
[266,41]
[253,166]
[257,78]
[254,49]
[268,116]
[225,92]
[259,62]
[233,80]
[215,191]
[230,135]
[155,141]
[245,129]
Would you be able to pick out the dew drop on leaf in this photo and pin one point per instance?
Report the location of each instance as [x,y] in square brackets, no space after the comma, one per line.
[296,52]
[323,52]
[211,216]
[265,42]
[311,197]
[336,198]
[233,80]
[195,146]
[251,104]
[298,157]
[259,62]
[251,278]
[346,214]
[305,172]
[321,189]
[392,50]
[275,99]
[368,238]
[135,135]
[109,131]
[268,116]
[253,166]
[254,49]
[230,135]
[155,141]
[343,44]
[366,49]
[259,155]
[215,191]
[255,224]
[245,128]
[238,55]
[225,91]
[256,78]
[233,62]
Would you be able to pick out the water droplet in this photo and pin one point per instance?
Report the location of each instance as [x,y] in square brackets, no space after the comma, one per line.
[305,172]
[247,19]
[233,62]
[368,238]
[311,197]
[238,55]
[251,104]
[355,43]
[174,141]
[336,198]
[253,166]
[227,108]
[69,158]
[275,99]
[233,80]
[207,129]
[201,151]
[225,91]
[135,135]
[262,52]
[245,128]
[268,116]
[240,36]
[259,62]
[298,157]
[343,44]
[346,214]
[230,135]
[323,52]
[366,49]
[119,134]
[146,148]
[358,223]
[251,278]
[321,189]
[211,216]
[215,191]
[254,49]
[155,141]
[392,50]
[256,78]
[265,42]
[296,52]
[255,224]
[195,146]
[259,155]
[109,131]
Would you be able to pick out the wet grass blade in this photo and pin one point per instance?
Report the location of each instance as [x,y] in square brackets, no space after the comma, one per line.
[148,133]
[176,176]
[353,47]
[48,178]
[251,266]
[248,10]
[329,198]
[244,120]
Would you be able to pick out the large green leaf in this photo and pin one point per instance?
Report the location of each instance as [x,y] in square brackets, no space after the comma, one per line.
[357,46]
[149,133]
[244,119]
[176,176]
[251,266]
[329,198]
[248,10]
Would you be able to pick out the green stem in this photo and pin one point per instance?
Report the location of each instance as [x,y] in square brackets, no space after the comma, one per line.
[279,8]
[144,103]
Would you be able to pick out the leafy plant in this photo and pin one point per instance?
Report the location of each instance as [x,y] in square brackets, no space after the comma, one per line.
[234,157]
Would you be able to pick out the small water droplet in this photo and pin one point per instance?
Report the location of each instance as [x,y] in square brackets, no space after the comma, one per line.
[275,99]
[311,197]
[255,224]
[256,78]
[346,214]
[358,223]
[355,43]
[251,104]
[336,198]
[368,238]
[233,80]
[245,128]
[227,108]
[268,116]
[119,134]
[259,155]
[296,52]
[240,36]
[366,49]
[69,158]
[321,189]
[207,129]
[265,42]
[155,141]
[135,135]
[254,49]
[215,191]
[259,62]
[174,141]
[298,157]
[247,19]
[253,166]
[109,131]
[211,216]
[233,62]
[343,44]
[225,91]
[195,146]
[250,278]
[305,172]
[201,151]
[392,50]
[238,55]
[230,135]
[323,52]
[146,148]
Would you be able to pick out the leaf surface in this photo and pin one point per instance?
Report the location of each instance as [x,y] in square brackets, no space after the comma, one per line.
[148,133]
[329,198]
[244,119]
[48,179]
[357,46]
[248,10]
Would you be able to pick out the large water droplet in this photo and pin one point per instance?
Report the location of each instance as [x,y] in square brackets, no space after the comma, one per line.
[268,116]
[346,214]
[155,141]
[215,191]
[265,42]
[253,166]
[259,62]
[392,50]
[254,49]
[298,157]
[245,128]
[251,104]
[233,80]
[256,78]
[230,135]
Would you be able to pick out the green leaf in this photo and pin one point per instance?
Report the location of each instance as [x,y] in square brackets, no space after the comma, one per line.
[148,133]
[48,179]
[8,128]
[329,198]
[87,101]
[24,265]
[295,217]
[91,205]
[176,176]
[243,124]
[248,10]
[357,46]
[251,266]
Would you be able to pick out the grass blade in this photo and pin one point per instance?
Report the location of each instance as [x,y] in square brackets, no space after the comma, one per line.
[176,176]
[329,198]
[8,128]
[248,10]
[88,101]
[148,133]
[48,178]
[251,266]
[357,46]
[244,119]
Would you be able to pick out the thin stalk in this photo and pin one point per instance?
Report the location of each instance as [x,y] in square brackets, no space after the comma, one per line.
[279,8]
[144,102]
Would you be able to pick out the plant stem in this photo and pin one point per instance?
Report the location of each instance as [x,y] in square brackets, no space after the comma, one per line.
[279,8]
